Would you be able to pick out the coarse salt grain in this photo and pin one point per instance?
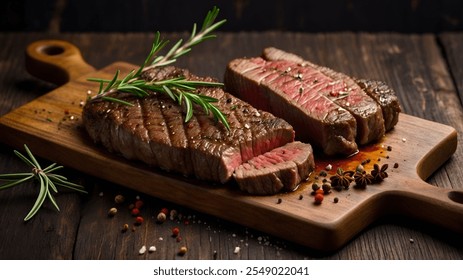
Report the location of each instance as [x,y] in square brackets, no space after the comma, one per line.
[237,250]
[152,249]
[142,250]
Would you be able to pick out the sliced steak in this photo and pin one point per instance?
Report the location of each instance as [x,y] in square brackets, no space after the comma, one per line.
[154,131]
[281,169]
[315,118]
[385,97]
[348,94]
[378,90]
[325,107]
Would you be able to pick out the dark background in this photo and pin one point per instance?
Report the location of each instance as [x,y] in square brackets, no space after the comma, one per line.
[407,16]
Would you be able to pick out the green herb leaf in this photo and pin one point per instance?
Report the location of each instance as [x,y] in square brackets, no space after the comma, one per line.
[45,178]
[134,84]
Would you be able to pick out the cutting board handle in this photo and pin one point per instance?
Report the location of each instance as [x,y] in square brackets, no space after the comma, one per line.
[55,61]
[429,203]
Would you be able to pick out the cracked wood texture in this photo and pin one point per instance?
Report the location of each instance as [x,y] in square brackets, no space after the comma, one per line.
[423,69]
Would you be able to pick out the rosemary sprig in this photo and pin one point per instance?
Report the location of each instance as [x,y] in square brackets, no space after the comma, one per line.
[179,89]
[45,177]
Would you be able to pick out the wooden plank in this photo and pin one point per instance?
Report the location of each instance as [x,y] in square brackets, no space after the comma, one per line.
[452,44]
[51,234]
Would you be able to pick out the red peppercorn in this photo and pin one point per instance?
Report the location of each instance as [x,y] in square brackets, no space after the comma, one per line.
[135,211]
[319,198]
[178,239]
[139,220]
[175,231]
[165,211]
[319,191]
[138,204]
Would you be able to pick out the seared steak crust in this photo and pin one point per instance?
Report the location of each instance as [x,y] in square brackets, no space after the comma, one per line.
[154,131]
[385,97]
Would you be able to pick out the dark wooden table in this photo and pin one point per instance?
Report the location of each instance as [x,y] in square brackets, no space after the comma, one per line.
[425,70]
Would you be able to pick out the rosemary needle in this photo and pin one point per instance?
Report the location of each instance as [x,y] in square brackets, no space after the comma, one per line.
[179,89]
[48,181]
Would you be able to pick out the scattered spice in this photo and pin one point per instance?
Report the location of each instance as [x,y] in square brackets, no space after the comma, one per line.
[135,211]
[336,200]
[389,148]
[139,204]
[364,162]
[142,250]
[152,249]
[165,211]
[301,197]
[237,250]
[323,173]
[173,214]
[119,199]
[342,178]
[326,188]
[319,191]
[362,179]
[328,167]
[175,231]
[161,217]
[319,198]
[396,165]
[315,187]
[379,173]
[112,212]
[279,201]
[182,251]
[125,227]
[139,220]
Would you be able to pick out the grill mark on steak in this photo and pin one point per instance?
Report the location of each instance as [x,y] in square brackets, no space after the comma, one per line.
[154,131]
[154,124]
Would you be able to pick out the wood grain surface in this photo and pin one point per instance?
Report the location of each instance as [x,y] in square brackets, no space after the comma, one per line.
[98,237]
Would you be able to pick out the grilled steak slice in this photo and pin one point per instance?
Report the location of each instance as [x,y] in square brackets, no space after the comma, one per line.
[385,97]
[325,107]
[379,91]
[281,169]
[154,131]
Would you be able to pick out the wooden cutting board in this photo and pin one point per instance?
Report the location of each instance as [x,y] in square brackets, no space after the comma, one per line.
[51,127]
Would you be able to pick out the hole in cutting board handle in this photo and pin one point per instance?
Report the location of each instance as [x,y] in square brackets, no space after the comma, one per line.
[456,196]
[56,61]
[52,50]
